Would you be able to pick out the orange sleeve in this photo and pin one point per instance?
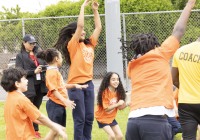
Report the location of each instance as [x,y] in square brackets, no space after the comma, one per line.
[30,110]
[169,47]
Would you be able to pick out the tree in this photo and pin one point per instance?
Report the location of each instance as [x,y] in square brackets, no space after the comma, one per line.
[129,6]
[68,8]
[180,4]
[12,13]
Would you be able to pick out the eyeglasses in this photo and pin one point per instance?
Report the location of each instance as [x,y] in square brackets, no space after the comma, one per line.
[33,43]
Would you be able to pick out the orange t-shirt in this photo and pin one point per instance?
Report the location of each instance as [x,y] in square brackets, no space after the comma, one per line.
[151,77]
[54,81]
[82,57]
[19,113]
[108,98]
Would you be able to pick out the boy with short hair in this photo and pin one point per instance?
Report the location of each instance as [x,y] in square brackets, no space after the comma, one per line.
[19,112]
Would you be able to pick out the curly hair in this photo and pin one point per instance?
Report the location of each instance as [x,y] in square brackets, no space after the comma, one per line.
[65,36]
[121,95]
[10,76]
[140,44]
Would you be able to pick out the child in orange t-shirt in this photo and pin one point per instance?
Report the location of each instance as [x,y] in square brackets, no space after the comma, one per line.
[57,90]
[79,55]
[111,97]
[19,112]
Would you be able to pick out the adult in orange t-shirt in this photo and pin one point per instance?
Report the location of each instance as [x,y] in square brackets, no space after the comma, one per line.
[152,93]
[79,54]
[19,112]
[110,98]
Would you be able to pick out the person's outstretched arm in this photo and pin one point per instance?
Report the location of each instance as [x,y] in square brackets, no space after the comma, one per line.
[80,22]
[180,26]
[97,21]
[58,129]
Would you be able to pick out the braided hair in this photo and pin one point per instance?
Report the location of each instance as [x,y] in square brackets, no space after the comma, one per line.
[140,44]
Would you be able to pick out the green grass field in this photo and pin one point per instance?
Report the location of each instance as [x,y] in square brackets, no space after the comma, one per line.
[97,134]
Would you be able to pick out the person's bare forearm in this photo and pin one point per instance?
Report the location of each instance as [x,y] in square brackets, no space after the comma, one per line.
[111,107]
[47,122]
[80,22]
[97,20]
[59,96]
[181,24]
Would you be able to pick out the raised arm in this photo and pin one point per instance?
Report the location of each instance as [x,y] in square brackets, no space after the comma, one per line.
[180,26]
[97,21]
[80,22]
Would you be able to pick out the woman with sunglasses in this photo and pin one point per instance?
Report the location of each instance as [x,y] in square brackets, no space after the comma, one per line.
[34,66]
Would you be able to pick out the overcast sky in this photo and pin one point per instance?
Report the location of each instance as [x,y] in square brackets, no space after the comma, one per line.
[32,6]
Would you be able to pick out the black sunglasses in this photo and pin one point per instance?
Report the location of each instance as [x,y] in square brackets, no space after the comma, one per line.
[34,43]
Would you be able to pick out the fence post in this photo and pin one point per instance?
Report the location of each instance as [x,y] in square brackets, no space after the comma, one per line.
[23,28]
[113,36]
[124,59]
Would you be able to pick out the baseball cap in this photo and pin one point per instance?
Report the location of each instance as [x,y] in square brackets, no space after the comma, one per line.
[29,38]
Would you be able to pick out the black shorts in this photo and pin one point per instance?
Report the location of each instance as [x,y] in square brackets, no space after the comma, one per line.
[56,113]
[101,125]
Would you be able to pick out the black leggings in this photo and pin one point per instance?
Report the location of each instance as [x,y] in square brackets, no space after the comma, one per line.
[189,116]
[37,101]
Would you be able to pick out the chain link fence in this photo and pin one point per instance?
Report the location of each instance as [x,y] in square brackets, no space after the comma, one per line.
[46,32]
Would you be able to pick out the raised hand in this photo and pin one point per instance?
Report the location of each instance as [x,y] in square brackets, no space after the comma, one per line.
[86,3]
[95,5]
[191,2]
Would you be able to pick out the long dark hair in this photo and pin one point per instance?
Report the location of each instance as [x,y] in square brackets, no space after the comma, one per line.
[65,36]
[121,95]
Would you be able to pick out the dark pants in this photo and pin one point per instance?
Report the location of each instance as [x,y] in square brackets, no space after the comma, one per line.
[148,127]
[83,114]
[189,117]
[176,126]
[37,101]
[56,112]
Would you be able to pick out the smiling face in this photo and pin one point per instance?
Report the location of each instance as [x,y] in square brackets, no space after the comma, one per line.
[114,81]
[22,85]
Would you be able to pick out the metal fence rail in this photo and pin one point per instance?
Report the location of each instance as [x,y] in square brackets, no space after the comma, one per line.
[46,32]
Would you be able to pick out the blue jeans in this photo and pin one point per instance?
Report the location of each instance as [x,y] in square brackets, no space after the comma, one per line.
[83,114]
[148,127]
[176,126]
